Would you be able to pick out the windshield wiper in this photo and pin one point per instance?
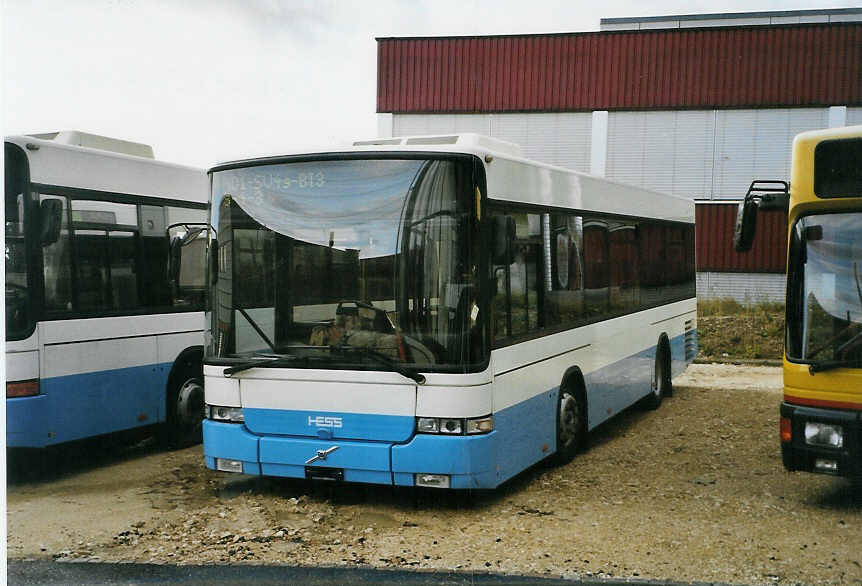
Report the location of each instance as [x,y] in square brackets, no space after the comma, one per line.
[825,365]
[382,359]
[262,360]
[256,328]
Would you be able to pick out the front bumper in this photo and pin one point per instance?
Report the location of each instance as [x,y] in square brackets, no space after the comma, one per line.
[797,455]
[470,461]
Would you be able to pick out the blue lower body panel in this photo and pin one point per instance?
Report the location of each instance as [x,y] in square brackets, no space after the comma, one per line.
[85,405]
[523,435]
[476,461]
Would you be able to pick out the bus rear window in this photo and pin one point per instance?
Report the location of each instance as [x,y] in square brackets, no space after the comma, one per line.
[838,168]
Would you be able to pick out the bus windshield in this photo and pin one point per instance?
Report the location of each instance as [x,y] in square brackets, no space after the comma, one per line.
[824,320]
[357,263]
[19,318]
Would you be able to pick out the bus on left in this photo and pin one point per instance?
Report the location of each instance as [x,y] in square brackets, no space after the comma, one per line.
[104,290]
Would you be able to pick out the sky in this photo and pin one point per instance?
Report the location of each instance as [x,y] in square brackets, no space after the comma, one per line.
[207,81]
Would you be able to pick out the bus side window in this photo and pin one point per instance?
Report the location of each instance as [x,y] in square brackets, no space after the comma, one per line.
[106,255]
[597,268]
[499,283]
[564,300]
[625,290]
[652,269]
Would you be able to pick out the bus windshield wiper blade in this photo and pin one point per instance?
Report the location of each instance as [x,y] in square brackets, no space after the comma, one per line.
[825,365]
[382,359]
[263,360]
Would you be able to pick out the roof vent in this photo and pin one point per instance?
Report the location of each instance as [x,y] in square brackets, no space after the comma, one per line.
[476,141]
[432,140]
[95,141]
[377,141]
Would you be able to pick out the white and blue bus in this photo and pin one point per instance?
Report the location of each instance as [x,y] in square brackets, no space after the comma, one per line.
[434,311]
[100,335]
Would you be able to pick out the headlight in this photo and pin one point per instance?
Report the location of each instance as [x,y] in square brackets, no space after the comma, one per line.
[827,435]
[453,426]
[229,414]
[428,425]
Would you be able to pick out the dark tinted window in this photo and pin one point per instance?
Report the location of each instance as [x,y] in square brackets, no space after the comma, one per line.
[567,270]
[115,259]
[19,318]
[838,168]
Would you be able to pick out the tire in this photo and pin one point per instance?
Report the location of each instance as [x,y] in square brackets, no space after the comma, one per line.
[571,427]
[661,386]
[185,406]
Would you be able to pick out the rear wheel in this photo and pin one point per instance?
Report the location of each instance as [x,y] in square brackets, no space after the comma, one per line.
[185,407]
[661,385]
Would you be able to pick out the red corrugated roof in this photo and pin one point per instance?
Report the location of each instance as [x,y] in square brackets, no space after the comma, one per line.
[714,225]
[790,65]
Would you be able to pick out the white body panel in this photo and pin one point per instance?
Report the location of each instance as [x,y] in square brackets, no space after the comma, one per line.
[525,370]
[86,168]
[22,365]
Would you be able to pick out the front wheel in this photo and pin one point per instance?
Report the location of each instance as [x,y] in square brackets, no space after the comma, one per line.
[185,412]
[570,427]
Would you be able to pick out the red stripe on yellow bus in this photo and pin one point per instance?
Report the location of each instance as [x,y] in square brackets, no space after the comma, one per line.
[822,403]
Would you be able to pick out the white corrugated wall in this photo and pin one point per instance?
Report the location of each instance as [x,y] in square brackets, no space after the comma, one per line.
[671,151]
[743,287]
[756,144]
[705,154]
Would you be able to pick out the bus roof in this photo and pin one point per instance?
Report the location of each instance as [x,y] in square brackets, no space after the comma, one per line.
[803,168]
[829,133]
[87,161]
[513,178]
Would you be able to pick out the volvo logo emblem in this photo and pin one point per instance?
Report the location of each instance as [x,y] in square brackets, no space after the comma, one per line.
[321,455]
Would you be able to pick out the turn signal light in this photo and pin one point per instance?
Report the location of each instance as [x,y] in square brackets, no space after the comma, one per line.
[786,430]
[27,388]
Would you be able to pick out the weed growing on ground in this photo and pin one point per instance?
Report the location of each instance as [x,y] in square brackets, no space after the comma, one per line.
[728,329]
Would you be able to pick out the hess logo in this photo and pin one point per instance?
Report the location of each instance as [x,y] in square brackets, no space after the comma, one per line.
[324,421]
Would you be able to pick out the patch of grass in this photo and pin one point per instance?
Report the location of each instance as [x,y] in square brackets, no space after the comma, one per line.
[728,330]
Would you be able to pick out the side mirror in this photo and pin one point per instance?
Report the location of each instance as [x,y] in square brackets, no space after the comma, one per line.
[502,236]
[764,194]
[746,225]
[51,219]
[186,253]
[212,255]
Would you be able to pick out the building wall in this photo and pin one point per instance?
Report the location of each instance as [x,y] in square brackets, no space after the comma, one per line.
[743,287]
[701,68]
[705,154]
[834,15]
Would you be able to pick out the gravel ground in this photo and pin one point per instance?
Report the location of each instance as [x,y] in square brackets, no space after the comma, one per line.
[694,491]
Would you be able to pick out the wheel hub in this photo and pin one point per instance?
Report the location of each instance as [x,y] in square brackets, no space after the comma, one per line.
[568,419]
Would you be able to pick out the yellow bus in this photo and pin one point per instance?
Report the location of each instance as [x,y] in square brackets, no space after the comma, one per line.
[821,412]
